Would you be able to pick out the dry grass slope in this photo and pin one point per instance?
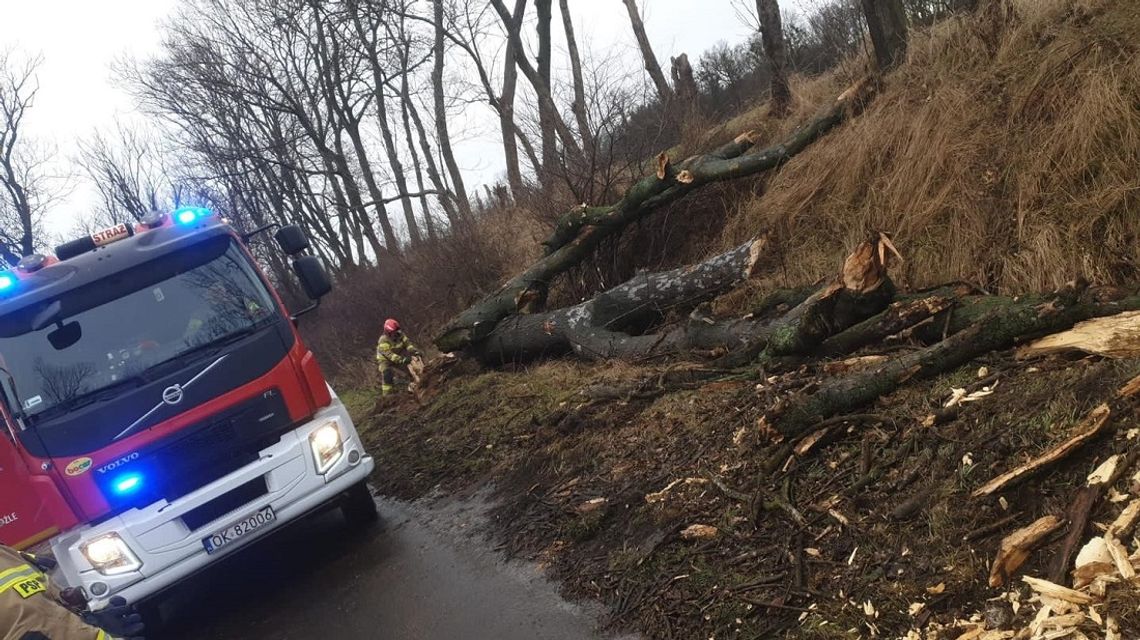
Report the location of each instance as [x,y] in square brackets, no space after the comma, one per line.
[1005,152]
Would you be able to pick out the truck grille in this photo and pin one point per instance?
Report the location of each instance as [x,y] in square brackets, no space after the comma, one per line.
[200,454]
[225,503]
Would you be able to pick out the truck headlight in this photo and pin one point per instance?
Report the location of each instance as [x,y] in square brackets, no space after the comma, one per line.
[110,555]
[327,446]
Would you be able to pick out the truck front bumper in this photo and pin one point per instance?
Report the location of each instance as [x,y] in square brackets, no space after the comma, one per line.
[169,551]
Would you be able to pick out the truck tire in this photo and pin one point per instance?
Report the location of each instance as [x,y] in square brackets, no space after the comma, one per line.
[358,507]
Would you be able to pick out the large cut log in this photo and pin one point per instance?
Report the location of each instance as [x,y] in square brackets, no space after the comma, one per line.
[1000,329]
[613,324]
[602,326]
[580,232]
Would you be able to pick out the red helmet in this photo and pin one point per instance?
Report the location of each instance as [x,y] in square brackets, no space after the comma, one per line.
[391,326]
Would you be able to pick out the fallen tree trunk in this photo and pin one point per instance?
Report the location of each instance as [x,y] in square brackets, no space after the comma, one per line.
[602,326]
[580,232]
[1000,328]
[612,325]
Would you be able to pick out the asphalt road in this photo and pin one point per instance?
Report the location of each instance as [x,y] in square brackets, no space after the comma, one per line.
[421,573]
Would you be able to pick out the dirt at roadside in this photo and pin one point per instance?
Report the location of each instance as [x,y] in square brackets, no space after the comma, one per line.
[601,472]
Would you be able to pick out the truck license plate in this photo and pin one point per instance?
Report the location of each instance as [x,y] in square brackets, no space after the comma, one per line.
[263,518]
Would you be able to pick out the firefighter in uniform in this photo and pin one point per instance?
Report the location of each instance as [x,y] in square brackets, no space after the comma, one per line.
[394,352]
[32,609]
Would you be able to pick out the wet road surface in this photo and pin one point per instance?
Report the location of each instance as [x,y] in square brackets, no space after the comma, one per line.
[421,573]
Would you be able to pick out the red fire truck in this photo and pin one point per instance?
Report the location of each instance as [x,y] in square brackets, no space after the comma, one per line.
[160,409]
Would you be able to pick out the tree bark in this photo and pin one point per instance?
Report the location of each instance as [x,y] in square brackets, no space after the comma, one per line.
[772,37]
[578,107]
[579,232]
[457,187]
[664,92]
[886,22]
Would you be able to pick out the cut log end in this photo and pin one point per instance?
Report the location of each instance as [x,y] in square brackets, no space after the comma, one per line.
[685,176]
[662,165]
[754,254]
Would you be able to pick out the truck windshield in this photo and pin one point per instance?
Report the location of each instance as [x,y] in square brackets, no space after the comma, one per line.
[87,343]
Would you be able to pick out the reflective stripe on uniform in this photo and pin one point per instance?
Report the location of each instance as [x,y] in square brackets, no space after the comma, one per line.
[26,580]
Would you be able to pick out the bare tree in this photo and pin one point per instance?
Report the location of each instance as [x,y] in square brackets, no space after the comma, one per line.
[26,189]
[578,107]
[664,92]
[772,36]
[886,21]
[128,172]
[441,113]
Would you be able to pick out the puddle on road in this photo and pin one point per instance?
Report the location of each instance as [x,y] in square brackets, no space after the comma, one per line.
[427,572]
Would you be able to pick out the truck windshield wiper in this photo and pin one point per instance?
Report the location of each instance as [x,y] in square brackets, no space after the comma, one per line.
[98,395]
[207,349]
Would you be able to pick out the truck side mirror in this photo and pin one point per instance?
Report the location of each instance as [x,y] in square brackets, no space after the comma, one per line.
[292,239]
[314,280]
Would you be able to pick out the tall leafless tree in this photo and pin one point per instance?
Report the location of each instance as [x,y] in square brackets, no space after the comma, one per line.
[578,107]
[25,189]
[664,92]
[440,103]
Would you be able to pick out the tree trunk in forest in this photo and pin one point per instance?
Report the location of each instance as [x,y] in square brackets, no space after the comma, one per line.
[541,88]
[507,107]
[886,22]
[579,232]
[457,187]
[647,56]
[446,198]
[579,105]
[546,114]
[772,37]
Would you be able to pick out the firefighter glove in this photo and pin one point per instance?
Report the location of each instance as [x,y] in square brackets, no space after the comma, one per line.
[118,619]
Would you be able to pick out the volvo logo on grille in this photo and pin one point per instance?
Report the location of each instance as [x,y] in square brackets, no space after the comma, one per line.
[172,394]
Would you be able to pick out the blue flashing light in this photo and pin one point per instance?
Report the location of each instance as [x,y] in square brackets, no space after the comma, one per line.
[128,483]
[7,281]
[189,215]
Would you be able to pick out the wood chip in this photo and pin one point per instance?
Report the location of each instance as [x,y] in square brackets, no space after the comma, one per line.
[1120,558]
[700,532]
[936,589]
[1054,590]
[1124,522]
[1092,560]
[1104,472]
[1016,547]
[1111,629]
[1064,622]
[805,445]
[1087,430]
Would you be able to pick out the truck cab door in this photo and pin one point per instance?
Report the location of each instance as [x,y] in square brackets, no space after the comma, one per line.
[31,507]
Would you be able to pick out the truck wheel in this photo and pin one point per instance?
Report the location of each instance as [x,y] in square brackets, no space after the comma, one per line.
[359,508]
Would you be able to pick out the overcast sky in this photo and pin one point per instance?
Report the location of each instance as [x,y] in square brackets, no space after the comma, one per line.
[81,39]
